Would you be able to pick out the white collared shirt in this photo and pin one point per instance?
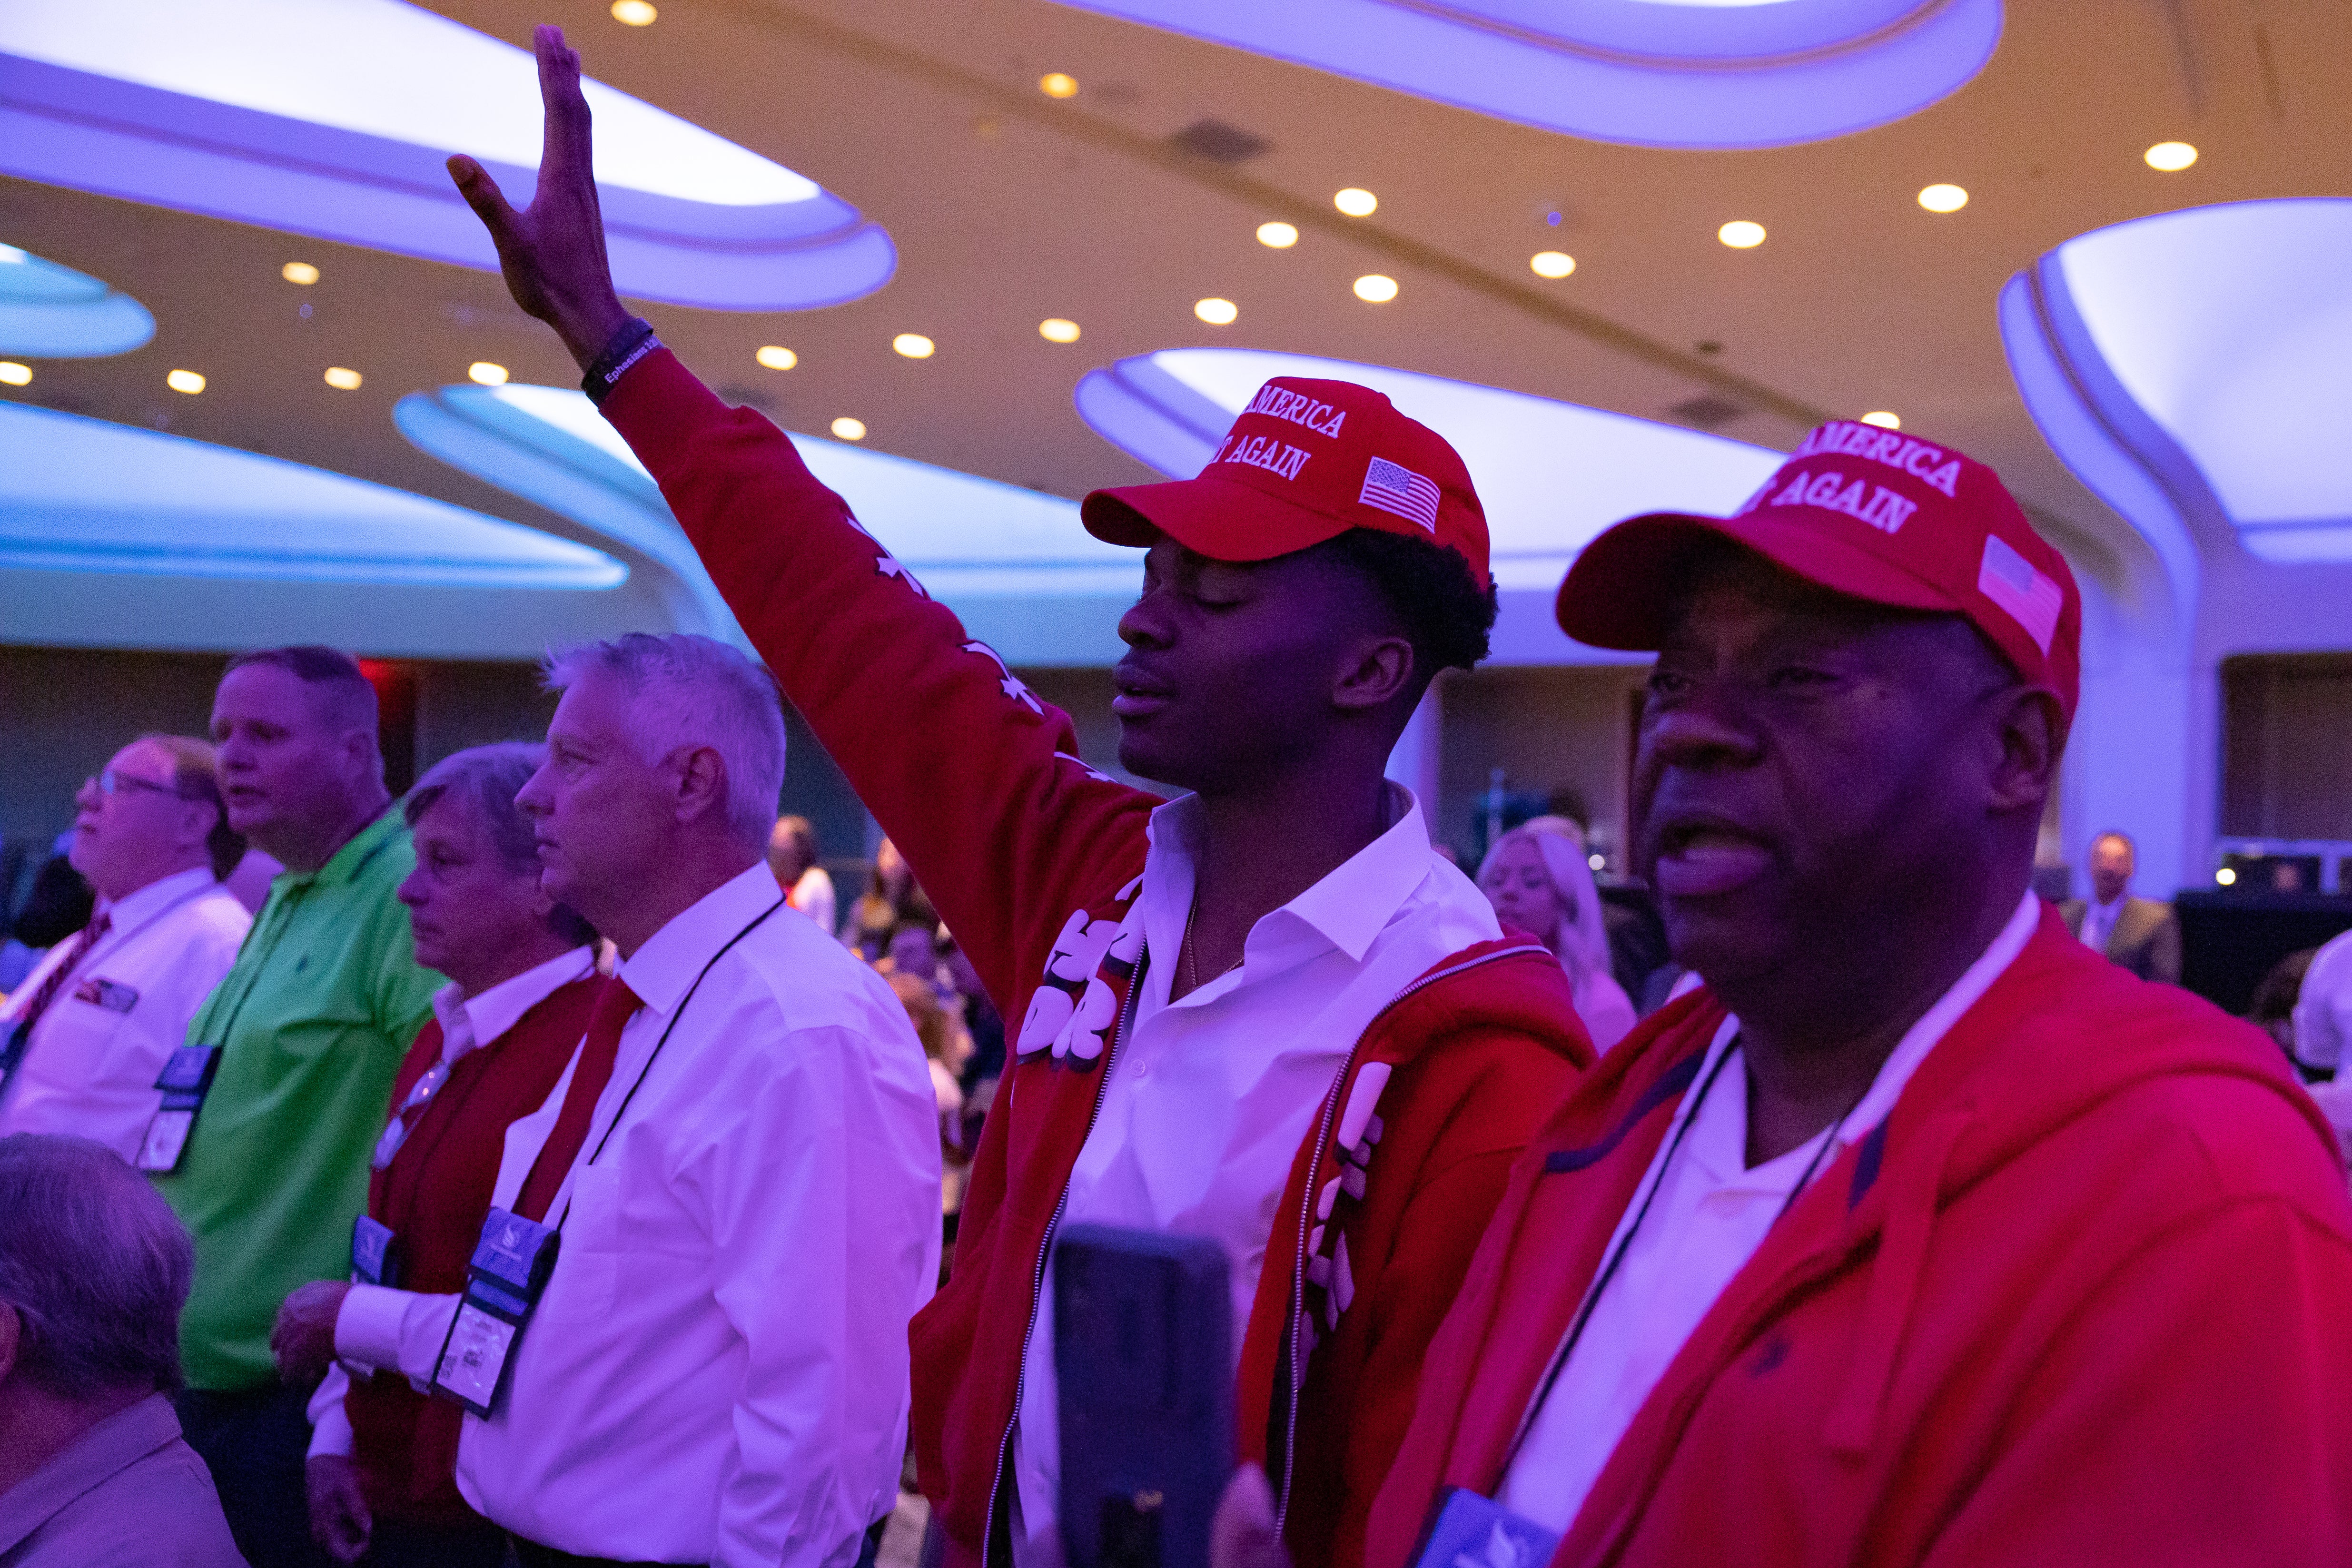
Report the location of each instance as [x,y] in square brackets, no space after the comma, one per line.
[2099,922]
[716,1371]
[1208,1098]
[468,1025]
[91,1066]
[1709,1213]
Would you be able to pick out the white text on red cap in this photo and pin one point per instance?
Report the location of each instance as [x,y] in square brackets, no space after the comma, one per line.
[1876,504]
[1298,409]
[1914,457]
[1263,452]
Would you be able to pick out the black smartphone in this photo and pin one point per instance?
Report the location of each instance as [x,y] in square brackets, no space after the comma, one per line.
[1143,1357]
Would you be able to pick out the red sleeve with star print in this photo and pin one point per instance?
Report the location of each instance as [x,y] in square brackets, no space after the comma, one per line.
[975,779]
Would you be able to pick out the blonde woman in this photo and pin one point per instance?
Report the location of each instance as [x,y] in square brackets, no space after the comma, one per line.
[1536,879]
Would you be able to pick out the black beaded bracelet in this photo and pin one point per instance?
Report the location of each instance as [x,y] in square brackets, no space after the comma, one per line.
[633,342]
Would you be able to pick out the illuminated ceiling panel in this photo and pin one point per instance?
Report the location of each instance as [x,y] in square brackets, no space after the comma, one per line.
[2189,368]
[1657,73]
[84,495]
[331,117]
[1551,475]
[1014,563]
[47,311]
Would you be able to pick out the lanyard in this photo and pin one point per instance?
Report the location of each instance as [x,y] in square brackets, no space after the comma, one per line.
[622,1110]
[1625,1243]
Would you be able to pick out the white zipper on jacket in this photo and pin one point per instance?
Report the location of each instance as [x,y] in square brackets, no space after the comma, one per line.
[1046,1250]
[1307,1212]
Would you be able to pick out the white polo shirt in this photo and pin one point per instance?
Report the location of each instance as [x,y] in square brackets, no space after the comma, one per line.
[1708,1212]
[90,1067]
[1208,1098]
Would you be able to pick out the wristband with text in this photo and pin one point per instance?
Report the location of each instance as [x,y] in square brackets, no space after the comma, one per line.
[633,342]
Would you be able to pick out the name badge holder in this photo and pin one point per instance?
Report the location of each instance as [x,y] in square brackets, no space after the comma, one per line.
[1469,1531]
[510,1271]
[186,1079]
[375,1253]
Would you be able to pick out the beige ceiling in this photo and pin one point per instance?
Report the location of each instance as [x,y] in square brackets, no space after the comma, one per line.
[1008,207]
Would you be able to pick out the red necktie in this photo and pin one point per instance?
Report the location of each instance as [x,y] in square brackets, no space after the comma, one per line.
[615,1005]
[32,1011]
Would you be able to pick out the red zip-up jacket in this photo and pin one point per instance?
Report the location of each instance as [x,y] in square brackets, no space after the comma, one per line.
[2084,1298]
[1034,860]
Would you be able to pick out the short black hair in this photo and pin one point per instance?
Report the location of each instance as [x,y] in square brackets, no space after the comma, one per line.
[1447,616]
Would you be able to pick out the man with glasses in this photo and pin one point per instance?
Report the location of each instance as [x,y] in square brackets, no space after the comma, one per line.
[83,1038]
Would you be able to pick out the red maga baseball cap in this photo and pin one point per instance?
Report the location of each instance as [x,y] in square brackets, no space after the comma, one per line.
[1306,461]
[1867,512]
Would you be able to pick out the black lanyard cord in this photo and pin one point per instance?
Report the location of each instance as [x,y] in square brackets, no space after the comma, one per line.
[622,1109]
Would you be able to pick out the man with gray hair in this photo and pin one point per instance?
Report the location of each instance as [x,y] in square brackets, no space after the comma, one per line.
[746,1138]
[93,1271]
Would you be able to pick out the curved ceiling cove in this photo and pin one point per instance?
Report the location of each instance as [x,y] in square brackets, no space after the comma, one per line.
[2189,368]
[49,311]
[331,117]
[1654,73]
[1551,475]
[1013,562]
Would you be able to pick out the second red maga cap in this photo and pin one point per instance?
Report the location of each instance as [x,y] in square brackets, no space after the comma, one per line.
[1867,512]
[1305,462]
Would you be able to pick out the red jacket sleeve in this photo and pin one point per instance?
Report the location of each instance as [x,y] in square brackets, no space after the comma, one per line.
[975,779]
[2197,1410]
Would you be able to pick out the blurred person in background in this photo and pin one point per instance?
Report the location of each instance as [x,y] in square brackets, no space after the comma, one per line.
[1536,879]
[947,1047]
[742,1164]
[93,1268]
[60,902]
[890,904]
[791,855]
[2322,1029]
[306,1032]
[522,980]
[83,1039]
[2142,935]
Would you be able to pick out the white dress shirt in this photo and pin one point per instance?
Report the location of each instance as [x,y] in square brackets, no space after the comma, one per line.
[813,895]
[468,1025]
[717,1372]
[1209,1097]
[1709,1213]
[2099,922]
[89,1068]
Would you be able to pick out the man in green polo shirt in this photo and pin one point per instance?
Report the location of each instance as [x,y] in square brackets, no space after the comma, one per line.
[312,1022]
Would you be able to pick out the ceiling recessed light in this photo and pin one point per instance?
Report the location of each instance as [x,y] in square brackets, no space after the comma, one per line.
[1943,198]
[1059,84]
[1741,235]
[1278,236]
[1217,312]
[1551,264]
[634,13]
[777,358]
[300,272]
[1883,420]
[1055,329]
[185,381]
[2227,876]
[849,429]
[914,346]
[1375,289]
[486,373]
[14,374]
[2170,157]
[1356,202]
[341,379]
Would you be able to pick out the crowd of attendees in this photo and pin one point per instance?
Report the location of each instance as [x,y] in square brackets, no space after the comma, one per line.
[549,1172]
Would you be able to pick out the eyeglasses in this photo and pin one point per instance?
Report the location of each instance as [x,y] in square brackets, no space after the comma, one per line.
[112,782]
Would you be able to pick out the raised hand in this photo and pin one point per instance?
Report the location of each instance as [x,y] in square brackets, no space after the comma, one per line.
[553,252]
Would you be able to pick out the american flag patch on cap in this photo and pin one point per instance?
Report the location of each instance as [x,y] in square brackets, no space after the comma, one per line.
[2011,580]
[1397,489]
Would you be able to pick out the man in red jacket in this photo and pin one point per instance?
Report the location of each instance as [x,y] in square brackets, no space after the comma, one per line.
[1920,1235]
[1266,1012]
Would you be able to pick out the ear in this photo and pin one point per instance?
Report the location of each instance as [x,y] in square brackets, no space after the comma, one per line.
[701,782]
[2030,728]
[1374,673]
